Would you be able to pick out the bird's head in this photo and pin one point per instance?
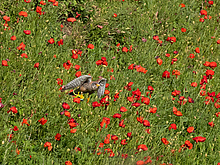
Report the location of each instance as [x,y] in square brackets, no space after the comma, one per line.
[95,86]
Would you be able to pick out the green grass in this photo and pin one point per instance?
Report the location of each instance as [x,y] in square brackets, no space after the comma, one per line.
[38,94]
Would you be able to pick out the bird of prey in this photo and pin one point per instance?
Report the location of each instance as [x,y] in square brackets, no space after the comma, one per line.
[86,85]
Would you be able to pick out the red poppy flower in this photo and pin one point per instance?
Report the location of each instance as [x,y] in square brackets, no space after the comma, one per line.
[65,106]
[114,137]
[73,125]
[197,50]
[146,123]
[13,38]
[59,81]
[21,46]
[159,61]
[15,128]
[13,109]
[150,88]
[203,80]
[142,147]
[155,37]
[172,126]
[218,41]
[90,46]
[203,12]
[36,65]
[187,144]
[67,65]
[107,140]
[176,73]
[57,137]
[153,110]
[77,67]
[71,19]
[4,63]
[174,110]
[117,115]
[23,13]
[25,122]
[140,119]
[191,56]
[129,134]
[121,123]
[130,99]
[27,32]
[201,20]
[166,74]
[27,1]
[51,41]
[194,84]
[60,42]
[190,129]
[124,49]
[42,121]
[165,141]
[123,109]
[128,86]
[24,55]
[171,39]
[67,113]
[6,18]
[211,124]
[217,114]
[199,139]
[124,156]
[145,100]
[209,73]
[55,3]
[210,2]
[131,66]
[167,55]
[68,163]
[178,113]
[115,15]
[212,65]
[183,30]
[182,5]
[190,100]
[99,62]
[136,104]
[202,93]
[47,144]
[101,145]
[76,100]
[96,104]
[105,121]
[38,9]
[140,162]
[74,56]
[105,63]
[216,104]
[42,2]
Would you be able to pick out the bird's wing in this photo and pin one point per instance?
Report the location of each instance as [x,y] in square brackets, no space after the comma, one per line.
[77,82]
[101,88]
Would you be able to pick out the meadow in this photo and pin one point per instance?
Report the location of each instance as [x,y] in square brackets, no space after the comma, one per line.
[161,103]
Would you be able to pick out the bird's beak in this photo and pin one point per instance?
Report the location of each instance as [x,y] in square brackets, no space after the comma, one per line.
[97,85]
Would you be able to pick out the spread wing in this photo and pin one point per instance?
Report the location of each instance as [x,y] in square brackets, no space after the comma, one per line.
[77,82]
[101,88]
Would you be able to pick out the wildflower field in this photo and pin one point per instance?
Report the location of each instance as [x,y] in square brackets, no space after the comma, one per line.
[161,103]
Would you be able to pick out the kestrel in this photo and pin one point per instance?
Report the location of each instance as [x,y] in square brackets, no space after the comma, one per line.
[86,85]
